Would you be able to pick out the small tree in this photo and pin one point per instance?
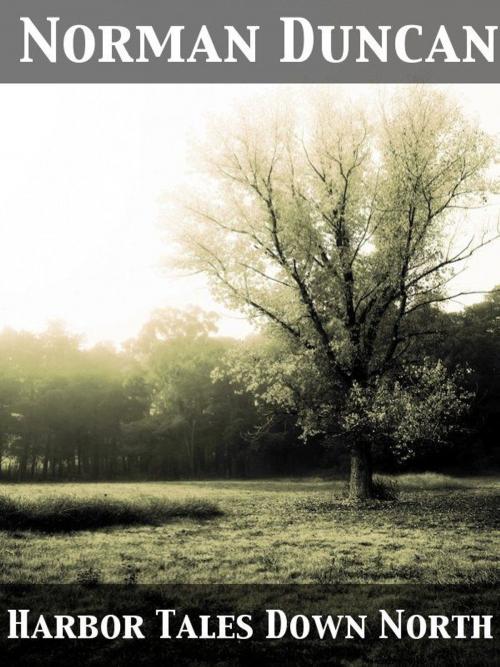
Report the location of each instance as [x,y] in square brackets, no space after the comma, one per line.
[336,236]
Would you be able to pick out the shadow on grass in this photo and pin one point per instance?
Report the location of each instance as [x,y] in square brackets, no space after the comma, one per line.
[63,514]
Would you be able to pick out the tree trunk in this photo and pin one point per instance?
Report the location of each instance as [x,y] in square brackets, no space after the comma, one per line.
[45,468]
[34,461]
[360,484]
[23,465]
[79,461]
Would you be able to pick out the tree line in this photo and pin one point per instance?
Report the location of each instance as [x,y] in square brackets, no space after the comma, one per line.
[166,406]
[150,410]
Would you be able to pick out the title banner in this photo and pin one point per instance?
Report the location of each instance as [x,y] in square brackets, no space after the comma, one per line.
[182,624]
[238,41]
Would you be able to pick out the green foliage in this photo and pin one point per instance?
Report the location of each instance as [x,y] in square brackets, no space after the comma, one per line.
[424,406]
[70,513]
[473,342]
[64,404]
[151,410]
[422,403]
[194,422]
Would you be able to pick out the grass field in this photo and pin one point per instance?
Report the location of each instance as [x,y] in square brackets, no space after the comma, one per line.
[442,530]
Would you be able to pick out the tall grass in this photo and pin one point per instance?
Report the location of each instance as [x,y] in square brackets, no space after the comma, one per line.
[385,488]
[432,481]
[71,513]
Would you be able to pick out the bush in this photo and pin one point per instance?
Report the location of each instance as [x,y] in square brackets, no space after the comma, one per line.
[71,513]
[385,489]
[89,576]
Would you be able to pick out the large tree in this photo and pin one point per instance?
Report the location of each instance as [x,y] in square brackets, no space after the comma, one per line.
[337,232]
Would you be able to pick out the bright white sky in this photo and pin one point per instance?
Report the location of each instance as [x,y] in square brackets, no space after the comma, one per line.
[82,171]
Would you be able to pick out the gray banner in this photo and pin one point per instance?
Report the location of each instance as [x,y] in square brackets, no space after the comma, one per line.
[215,14]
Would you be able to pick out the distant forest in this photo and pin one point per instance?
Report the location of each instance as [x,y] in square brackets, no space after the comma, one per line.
[163,407]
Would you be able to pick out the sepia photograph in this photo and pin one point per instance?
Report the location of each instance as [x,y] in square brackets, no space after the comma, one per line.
[250,334]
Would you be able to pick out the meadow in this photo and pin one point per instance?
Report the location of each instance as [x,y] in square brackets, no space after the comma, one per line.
[441,530]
